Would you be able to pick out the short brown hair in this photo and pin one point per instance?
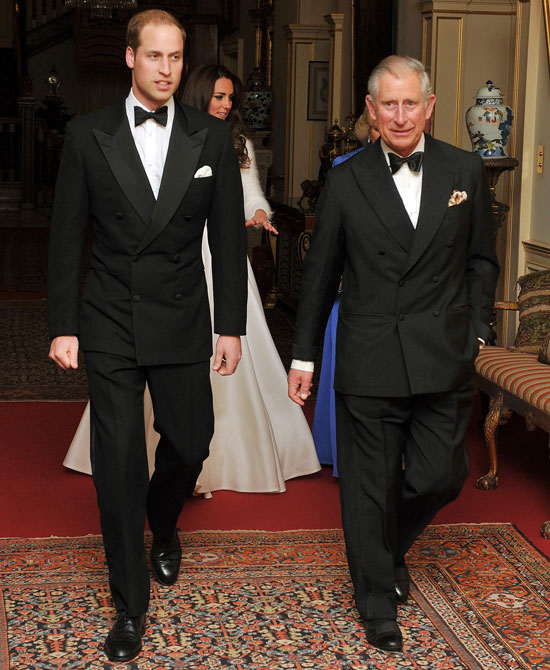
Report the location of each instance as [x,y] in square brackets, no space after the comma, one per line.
[141,19]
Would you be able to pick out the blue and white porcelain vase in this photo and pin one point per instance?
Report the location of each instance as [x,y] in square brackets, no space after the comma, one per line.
[257,102]
[489,122]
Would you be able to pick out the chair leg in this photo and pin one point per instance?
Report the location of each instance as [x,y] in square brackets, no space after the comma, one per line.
[490,481]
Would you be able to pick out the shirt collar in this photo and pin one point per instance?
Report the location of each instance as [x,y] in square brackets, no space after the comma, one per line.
[386,149]
[132,101]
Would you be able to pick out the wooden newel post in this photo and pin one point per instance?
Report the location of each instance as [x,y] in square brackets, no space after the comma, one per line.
[27,104]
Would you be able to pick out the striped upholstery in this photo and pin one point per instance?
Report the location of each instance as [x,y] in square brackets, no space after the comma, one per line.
[518,373]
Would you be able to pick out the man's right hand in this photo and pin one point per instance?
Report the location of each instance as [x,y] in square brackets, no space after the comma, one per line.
[299,385]
[64,351]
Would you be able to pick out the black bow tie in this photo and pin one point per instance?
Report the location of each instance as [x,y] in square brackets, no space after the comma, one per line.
[159,115]
[414,161]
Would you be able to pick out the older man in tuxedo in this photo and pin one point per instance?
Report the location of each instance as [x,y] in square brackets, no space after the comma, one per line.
[146,173]
[407,225]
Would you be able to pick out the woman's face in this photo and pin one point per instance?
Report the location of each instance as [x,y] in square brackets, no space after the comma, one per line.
[222,98]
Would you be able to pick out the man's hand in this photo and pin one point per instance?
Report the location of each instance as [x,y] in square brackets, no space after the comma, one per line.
[64,351]
[299,385]
[228,354]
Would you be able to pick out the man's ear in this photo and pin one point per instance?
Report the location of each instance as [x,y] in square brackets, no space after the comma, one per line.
[430,106]
[372,108]
[130,57]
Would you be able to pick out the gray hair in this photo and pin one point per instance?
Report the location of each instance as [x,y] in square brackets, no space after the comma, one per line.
[399,66]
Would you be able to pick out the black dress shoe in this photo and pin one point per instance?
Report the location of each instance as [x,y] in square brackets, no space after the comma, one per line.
[166,560]
[384,634]
[402,583]
[124,640]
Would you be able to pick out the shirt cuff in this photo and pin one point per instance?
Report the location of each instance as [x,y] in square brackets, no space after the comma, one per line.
[481,340]
[304,366]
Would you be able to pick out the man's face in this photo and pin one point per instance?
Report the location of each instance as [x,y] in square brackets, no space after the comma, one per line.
[401,112]
[156,64]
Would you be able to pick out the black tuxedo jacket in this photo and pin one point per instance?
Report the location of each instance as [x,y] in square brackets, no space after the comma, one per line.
[145,296]
[414,301]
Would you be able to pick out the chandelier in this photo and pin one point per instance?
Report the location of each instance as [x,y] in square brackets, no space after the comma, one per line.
[101,9]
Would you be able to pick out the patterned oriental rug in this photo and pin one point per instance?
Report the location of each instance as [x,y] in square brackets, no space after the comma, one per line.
[26,373]
[259,600]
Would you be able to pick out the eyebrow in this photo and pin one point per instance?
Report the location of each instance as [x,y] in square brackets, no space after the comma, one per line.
[159,53]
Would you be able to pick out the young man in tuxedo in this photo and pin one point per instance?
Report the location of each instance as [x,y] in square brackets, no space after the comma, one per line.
[408,227]
[146,173]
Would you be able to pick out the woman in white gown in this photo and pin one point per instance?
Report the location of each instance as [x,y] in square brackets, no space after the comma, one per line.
[261,437]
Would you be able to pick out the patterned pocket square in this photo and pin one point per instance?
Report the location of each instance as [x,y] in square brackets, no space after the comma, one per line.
[204,171]
[457,197]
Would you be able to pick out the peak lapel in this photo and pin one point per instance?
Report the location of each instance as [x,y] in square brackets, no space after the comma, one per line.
[375,181]
[181,163]
[121,154]
[437,180]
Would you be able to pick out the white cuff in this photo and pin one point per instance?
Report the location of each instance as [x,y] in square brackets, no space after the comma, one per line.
[304,366]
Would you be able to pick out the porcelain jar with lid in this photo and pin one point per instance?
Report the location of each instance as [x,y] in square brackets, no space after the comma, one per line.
[489,122]
[257,101]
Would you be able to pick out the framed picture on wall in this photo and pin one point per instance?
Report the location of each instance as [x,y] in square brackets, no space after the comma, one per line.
[317,91]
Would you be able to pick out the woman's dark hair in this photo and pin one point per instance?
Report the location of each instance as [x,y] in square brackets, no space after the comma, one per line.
[198,92]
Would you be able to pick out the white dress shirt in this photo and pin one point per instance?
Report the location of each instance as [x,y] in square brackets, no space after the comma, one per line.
[408,183]
[151,140]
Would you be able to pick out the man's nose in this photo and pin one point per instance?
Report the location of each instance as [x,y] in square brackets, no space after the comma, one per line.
[165,66]
[400,114]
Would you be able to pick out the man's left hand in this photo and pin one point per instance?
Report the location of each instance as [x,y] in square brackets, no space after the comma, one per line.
[228,354]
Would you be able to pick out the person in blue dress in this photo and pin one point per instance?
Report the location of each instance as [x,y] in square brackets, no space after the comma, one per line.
[324,420]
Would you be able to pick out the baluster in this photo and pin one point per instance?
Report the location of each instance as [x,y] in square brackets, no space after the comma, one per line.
[27,104]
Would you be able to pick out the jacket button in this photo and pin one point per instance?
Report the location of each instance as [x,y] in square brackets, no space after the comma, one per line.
[436,313]
[402,282]
[382,252]
[136,297]
[450,244]
[401,317]
[119,215]
[177,296]
[176,258]
[187,217]
[135,259]
[435,279]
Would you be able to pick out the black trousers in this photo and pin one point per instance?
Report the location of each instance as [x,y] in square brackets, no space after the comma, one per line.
[182,404]
[399,461]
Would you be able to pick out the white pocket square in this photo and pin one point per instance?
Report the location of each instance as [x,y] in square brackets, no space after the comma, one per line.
[457,197]
[204,171]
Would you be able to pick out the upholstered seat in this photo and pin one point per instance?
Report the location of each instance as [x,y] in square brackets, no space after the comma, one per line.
[518,373]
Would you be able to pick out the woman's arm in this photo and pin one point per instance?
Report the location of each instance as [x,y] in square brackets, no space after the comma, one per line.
[256,208]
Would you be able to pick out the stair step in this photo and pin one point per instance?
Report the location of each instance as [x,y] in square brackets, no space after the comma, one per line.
[10,196]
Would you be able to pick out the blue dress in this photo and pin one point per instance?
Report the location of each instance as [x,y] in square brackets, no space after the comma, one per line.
[324,419]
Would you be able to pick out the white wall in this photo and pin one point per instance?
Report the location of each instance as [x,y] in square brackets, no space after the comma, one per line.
[536,187]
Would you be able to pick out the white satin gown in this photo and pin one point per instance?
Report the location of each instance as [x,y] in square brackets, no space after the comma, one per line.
[261,438]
